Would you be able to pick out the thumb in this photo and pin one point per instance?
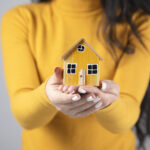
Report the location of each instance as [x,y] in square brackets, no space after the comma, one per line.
[57,77]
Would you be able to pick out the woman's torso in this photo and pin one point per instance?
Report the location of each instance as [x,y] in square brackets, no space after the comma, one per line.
[52,30]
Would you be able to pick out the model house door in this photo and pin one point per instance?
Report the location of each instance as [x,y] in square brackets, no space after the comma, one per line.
[82,77]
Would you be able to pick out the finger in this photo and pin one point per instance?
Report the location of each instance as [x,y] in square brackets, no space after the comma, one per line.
[58,73]
[84,106]
[110,86]
[57,96]
[64,98]
[90,110]
[65,88]
[89,89]
[73,108]
[108,98]
[72,89]
[82,101]
[57,77]
[60,88]
[68,88]
[82,91]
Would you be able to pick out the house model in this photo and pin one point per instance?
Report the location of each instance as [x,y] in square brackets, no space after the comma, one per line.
[82,65]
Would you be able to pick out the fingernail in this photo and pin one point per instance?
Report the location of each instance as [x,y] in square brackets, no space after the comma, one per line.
[98,105]
[97,99]
[75,98]
[104,85]
[73,92]
[90,98]
[82,91]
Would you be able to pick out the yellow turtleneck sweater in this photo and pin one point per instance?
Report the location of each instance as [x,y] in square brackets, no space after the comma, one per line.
[34,37]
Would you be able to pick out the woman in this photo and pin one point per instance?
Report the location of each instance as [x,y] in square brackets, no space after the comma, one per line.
[60,117]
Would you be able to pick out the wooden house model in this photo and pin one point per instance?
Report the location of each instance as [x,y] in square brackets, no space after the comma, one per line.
[82,65]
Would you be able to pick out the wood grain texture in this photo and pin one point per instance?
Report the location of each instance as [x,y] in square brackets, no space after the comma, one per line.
[82,59]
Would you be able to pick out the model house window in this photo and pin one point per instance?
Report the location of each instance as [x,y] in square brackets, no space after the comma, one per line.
[92,68]
[71,68]
[81,48]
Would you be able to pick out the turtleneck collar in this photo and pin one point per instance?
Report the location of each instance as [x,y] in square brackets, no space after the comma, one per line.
[78,5]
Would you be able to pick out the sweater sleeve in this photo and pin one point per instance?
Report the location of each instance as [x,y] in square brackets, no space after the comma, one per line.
[132,75]
[28,100]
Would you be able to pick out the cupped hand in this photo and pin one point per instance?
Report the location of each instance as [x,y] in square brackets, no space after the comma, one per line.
[107,92]
[70,103]
[100,97]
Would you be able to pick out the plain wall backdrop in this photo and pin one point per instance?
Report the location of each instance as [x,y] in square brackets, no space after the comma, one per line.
[10,131]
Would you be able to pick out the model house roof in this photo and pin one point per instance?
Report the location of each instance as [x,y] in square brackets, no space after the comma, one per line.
[81,40]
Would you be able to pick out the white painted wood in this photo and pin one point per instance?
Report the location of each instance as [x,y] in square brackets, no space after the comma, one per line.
[82,77]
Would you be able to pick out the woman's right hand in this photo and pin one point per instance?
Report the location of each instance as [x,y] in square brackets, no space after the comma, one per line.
[69,103]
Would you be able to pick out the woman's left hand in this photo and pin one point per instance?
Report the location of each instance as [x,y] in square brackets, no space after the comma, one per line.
[106,94]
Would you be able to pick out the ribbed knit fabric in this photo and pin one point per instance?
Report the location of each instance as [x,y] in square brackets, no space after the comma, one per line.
[34,37]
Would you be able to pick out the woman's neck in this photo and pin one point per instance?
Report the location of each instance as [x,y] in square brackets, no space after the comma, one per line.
[78,5]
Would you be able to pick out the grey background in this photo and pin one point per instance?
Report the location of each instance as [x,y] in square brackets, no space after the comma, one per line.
[10,131]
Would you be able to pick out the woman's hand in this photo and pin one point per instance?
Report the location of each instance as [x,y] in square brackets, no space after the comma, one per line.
[101,97]
[107,93]
[70,103]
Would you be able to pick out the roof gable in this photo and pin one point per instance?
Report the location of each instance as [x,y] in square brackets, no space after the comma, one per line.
[77,43]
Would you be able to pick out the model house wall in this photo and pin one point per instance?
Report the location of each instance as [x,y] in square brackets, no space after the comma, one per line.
[81,66]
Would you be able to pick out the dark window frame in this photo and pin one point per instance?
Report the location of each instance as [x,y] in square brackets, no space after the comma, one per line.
[81,46]
[92,69]
[71,68]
